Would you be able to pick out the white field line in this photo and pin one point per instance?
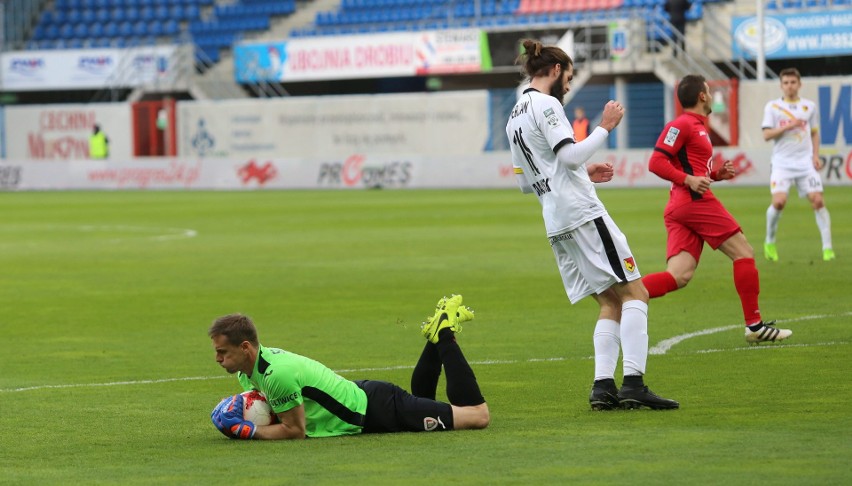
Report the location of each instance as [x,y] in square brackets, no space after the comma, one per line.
[666,344]
[404,367]
[156,233]
[169,233]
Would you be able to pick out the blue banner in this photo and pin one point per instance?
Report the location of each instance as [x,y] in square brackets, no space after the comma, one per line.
[260,62]
[796,35]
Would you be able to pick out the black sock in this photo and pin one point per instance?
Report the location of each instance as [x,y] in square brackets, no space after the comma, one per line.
[633,381]
[462,388]
[756,327]
[424,378]
[605,383]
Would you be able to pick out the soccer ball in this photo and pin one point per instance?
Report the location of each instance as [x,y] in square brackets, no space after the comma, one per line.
[256,410]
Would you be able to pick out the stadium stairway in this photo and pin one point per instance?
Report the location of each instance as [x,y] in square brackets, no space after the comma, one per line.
[218,81]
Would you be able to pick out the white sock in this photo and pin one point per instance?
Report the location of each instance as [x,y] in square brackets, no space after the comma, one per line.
[607,347]
[823,220]
[772,217]
[634,337]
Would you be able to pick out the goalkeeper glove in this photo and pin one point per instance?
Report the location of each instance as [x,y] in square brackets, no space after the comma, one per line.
[228,418]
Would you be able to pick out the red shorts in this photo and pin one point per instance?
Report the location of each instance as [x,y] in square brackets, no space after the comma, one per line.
[691,224]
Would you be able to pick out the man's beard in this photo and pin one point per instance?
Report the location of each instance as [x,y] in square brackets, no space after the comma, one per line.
[558,91]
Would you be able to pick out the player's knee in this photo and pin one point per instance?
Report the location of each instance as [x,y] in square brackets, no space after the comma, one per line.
[683,278]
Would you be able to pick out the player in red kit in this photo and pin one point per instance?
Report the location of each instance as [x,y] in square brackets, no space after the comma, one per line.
[683,155]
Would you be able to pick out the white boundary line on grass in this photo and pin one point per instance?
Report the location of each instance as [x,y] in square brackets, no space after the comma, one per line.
[156,233]
[670,342]
[666,344]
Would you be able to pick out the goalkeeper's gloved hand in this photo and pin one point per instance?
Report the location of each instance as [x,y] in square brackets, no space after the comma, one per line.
[228,418]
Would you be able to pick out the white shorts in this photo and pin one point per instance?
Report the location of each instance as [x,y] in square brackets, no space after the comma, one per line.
[806,182]
[593,258]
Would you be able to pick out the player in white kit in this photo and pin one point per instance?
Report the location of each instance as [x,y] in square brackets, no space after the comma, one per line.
[591,252]
[793,123]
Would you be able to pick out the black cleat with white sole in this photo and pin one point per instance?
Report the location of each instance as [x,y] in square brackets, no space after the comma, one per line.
[632,397]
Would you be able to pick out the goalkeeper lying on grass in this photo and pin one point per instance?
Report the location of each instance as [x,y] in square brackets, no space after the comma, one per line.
[311,400]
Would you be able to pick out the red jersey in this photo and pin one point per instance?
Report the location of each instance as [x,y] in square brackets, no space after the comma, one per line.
[683,149]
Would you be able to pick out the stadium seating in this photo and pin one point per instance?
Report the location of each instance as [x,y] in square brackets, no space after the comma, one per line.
[119,23]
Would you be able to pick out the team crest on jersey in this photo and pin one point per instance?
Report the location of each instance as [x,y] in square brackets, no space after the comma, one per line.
[551,117]
[671,136]
[630,264]
[430,424]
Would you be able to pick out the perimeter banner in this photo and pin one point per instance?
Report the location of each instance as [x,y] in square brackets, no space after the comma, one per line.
[451,123]
[363,56]
[61,132]
[801,34]
[360,171]
[86,68]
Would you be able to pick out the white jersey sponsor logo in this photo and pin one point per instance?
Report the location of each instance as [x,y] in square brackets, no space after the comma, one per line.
[671,136]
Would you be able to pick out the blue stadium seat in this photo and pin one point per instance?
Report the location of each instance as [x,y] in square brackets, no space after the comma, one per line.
[110,29]
[140,28]
[176,12]
[95,30]
[125,29]
[73,17]
[117,14]
[155,28]
[46,17]
[51,32]
[161,13]
[87,16]
[81,31]
[101,42]
[191,12]
[171,27]
[146,14]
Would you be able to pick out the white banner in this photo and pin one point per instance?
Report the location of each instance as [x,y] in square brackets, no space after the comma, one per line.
[833,96]
[62,131]
[358,171]
[363,56]
[86,68]
[454,123]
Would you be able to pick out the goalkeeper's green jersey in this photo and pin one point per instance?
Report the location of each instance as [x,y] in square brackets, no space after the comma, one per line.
[333,404]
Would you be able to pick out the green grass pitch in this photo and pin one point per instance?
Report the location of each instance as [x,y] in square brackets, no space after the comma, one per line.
[108,376]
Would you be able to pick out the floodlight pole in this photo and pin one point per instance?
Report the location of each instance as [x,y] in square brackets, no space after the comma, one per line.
[761,52]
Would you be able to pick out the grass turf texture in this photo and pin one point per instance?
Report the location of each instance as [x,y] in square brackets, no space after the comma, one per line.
[102,288]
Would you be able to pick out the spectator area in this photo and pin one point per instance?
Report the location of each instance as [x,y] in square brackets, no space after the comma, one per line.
[366,16]
[125,23]
[214,26]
